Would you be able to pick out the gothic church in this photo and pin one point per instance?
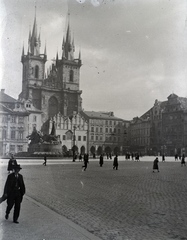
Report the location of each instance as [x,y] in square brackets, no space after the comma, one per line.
[58,90]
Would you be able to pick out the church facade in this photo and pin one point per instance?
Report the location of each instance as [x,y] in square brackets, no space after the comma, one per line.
[56,91]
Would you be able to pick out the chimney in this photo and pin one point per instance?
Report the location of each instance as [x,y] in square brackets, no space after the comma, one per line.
[3,90]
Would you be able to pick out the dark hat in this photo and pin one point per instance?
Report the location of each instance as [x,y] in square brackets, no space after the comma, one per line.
[17,166]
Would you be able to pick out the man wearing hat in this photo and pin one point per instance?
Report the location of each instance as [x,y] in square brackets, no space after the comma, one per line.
[13,191]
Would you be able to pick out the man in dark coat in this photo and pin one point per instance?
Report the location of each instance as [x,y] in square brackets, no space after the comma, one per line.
[86,161]
[101,160]
[115,163]
[13,191]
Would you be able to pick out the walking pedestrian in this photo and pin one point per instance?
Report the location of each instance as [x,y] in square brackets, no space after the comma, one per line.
[86,161]
[163,158]
[101,160]
[115,163]
[13,191]
[45,160]
[12,161]
[155,164]
[183,160]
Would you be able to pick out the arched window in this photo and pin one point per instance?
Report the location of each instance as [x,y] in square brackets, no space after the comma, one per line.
[71,73]
[36,74]
[53,106]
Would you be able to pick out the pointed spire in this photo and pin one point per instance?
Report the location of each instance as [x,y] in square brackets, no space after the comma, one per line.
[45,51]
[57,56]
[79,54]
[35,39]
[23,50]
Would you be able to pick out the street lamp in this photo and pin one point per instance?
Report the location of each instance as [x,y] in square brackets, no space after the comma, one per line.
[73,148]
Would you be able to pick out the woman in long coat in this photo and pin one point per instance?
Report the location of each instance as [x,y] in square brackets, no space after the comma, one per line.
[155,165]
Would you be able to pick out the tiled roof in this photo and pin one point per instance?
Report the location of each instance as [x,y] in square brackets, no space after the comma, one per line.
[100,115]
[4,98]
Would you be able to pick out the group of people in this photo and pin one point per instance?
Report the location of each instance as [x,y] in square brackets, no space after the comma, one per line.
[14,189]
[155,162]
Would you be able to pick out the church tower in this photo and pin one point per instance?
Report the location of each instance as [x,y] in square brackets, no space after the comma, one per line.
[62,84]
[58,89]
[33,69]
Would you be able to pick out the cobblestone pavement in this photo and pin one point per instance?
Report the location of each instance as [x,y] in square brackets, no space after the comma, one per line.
[132,203]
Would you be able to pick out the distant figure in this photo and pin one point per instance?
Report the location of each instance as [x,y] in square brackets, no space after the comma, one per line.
[80,157]
[101,160]
[183,160]
[86,161]
[94,155]
[11,163]
[115,163]
[45,160]
[137,157]
[13,191]
[110,156]
[163,158]
[155,164]
[176,156]
[132,156]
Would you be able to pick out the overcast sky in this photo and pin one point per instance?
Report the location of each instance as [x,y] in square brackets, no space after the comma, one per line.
[133,51]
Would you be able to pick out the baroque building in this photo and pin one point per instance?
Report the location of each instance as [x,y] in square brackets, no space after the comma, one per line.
[162,129]
[106,133]
[13,125]
[58,90]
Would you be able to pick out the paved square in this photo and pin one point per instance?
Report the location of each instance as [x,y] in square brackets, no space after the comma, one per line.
[132,203]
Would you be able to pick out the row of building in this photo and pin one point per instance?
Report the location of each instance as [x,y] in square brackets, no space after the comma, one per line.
[52,97]
[161,130]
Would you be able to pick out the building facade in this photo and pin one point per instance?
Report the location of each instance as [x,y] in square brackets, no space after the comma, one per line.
[72,131]
[13,125]
[139,135]
[162,129]
[106,133]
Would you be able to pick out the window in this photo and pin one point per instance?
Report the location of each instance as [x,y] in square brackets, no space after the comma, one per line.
[101,138]
[71,75]
[34,118]
[20,120]
[106,130]
[101,130]
[96,129]
[4,134]
[20,135]
[92,137]
[92,129]
[96,138]
[106,122]
[64,137]
[13,119]
[79,138]
[84,138]
[12,148]
[20,148]
[13,134]
[36,74]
